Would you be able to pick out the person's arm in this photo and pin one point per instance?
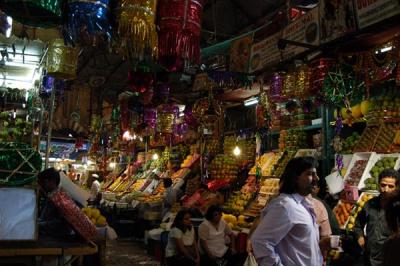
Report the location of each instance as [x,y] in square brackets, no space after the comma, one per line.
[203,235]
[196,249]
[359,225]
[229,233]
[182,250]
[273,227]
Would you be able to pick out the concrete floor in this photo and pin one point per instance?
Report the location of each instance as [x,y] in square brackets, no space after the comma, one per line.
[128,252]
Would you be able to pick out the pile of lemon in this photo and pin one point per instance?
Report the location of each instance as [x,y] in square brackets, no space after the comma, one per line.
[94,215]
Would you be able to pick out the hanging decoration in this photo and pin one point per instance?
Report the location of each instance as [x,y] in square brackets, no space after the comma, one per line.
[36,13]
[319,70]
[231,79]
[189,118]
[167,114]
[139,81]
[62,60]
[86,21]
[49,83]
[179,36]
[289,85]
[150,117]
[137,29]
[302,80]
[276,87]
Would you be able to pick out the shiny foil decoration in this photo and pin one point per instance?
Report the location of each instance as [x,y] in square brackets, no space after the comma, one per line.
[302,80]
[87,20]
[150,117]
[137,29]
[166,118]
[276,87]
[62,60]
[179,36]
[289,85]
[200,107]
[36,13]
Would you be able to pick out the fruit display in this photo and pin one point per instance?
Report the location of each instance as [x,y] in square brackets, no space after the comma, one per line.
[223,166]
[293,139]
[342,212]
[190,160]
[281,165]
[237,202]
[253,209]
[386,137]
[181,173]
[357,208]
[162,161]
[356,172]
[194,149]
[350,142]
[372,182]
[367,139]
[384,106]
[236,222]
[266,162]
[95,217]
[192,185]
[249,186]
[212,146]
[270,186]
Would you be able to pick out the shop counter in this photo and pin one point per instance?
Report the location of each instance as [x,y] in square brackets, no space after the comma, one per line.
[13,251]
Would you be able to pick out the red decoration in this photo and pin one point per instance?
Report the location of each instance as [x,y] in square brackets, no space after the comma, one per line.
[140,82]
[179,37]
[74,216]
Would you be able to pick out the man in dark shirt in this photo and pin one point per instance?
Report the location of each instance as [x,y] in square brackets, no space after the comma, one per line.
[373,216]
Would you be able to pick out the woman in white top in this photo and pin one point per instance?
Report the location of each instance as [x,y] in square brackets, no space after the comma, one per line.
[182,247]
[213,234]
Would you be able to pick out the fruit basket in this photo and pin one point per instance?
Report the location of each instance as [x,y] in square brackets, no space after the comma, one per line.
[367,139]
[359,167]
[383,161]
[386,138]
[364,197]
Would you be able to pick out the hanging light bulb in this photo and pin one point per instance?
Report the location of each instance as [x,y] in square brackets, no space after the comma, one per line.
[236,151]
[112,165]
[155,156]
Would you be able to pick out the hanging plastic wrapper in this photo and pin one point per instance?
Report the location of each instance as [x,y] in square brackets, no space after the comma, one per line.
[289,85]
[166,118]
[49,83]
[276,87]
[137,29]
[62,60]
[5,24]
[36,13]
[87,20]
[179,37]
[302,80]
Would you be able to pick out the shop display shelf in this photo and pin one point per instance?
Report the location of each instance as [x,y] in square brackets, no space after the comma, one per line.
[311,127]
[371,158]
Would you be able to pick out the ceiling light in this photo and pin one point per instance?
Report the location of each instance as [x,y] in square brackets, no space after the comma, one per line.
[251,101]
[236,151]
[155,156]
[18,64]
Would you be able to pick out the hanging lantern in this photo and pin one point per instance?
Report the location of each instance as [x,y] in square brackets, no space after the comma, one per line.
[62,60]
[302,80]
[179,37]
[86,20]
[289,84]
[36,13]
[137,29]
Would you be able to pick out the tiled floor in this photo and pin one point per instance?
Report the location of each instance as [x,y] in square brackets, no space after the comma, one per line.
[127,252]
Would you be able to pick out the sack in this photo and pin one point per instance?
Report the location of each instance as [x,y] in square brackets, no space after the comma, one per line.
[250,261]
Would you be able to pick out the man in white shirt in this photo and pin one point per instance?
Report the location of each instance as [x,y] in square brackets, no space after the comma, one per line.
[94,189]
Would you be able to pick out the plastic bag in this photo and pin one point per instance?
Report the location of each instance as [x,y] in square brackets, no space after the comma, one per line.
[111,234]
[250,261]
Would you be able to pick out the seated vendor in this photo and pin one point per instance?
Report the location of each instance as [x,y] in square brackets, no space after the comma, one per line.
[51,221]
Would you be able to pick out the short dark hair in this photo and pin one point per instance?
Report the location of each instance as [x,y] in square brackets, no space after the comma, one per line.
[167,182]
[293,170]
[211,211]
[49,174]
[178,221]
[389,172]
[392,213]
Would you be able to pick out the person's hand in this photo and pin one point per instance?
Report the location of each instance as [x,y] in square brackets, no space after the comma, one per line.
[249,246]
[361,241]
[325,244]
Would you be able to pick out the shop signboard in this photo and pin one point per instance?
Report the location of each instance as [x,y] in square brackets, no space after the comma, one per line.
[370,12]
[265,53]
[240,54]
[303,30]
[337,18]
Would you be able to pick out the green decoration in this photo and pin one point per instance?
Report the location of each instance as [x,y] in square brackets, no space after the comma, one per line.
[36,13]
[341,88]
[19,164]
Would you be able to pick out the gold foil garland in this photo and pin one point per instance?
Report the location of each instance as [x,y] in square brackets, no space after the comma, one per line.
[302,80]
[137,28]
[289,85]
[62,60]
[165,122]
